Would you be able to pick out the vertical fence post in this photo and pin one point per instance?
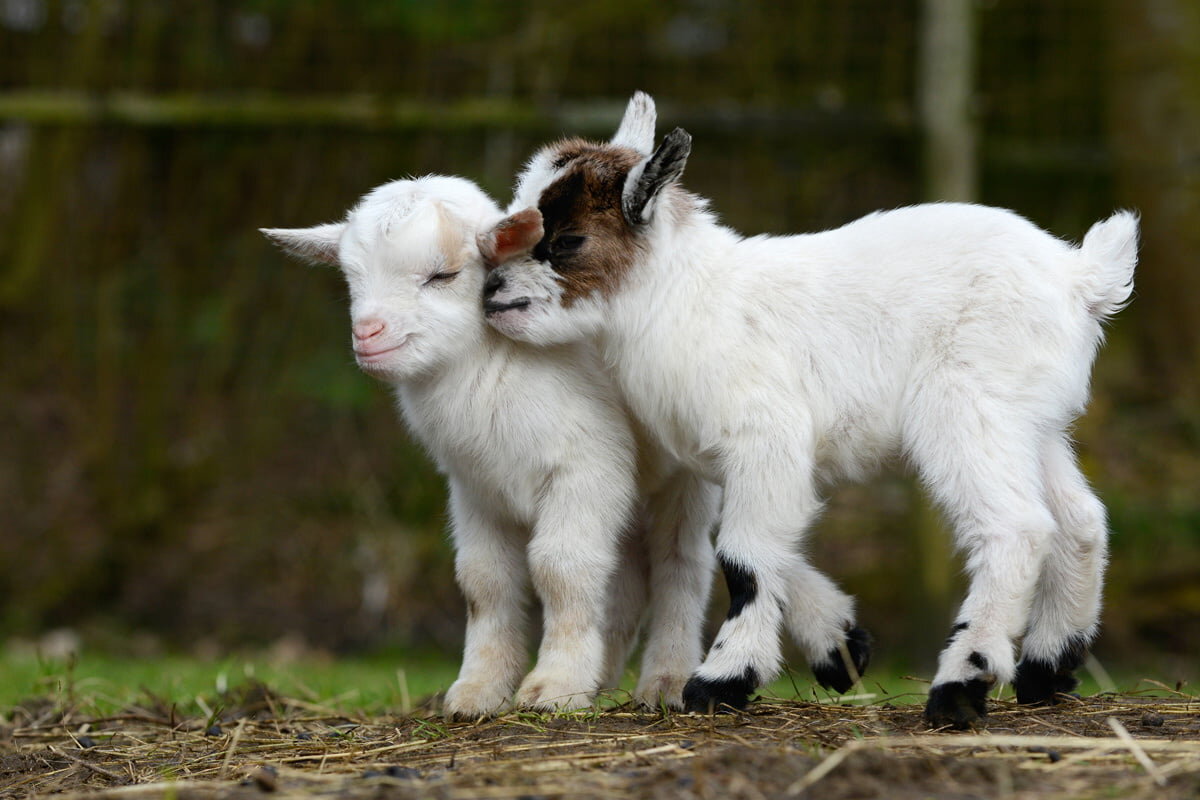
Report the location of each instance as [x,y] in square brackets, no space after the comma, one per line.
[1154,133]
[945,83]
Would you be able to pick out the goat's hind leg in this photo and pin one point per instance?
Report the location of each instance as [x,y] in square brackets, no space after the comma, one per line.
[992,490]
[1066,605]
[680,517]
[628,590]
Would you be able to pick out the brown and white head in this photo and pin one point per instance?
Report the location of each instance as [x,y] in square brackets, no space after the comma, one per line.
[409,255]
[585,213]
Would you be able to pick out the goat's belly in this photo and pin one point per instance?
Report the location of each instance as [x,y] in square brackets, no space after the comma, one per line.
[854,453]
[681,446]
[705,463]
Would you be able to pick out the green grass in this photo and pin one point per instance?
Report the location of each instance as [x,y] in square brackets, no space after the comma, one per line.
[897,685]
[101,684]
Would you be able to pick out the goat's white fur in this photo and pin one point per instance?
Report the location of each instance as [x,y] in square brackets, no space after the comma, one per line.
[539,457]
[957,335]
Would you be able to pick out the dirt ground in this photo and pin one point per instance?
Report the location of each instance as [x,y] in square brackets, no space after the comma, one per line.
[1097,747]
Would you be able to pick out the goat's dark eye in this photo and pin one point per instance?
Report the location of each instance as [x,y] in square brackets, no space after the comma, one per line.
[441,277]
[568,243]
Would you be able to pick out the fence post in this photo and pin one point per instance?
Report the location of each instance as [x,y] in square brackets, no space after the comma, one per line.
[945,83]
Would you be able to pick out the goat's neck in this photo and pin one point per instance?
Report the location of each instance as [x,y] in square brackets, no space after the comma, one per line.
[674,288]
[476,352]
[663,333]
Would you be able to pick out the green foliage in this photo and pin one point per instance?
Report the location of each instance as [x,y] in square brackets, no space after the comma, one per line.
[187,444]
[445,20]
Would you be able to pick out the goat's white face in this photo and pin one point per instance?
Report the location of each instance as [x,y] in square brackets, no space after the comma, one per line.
[414,292]
[409,257]
[583,212]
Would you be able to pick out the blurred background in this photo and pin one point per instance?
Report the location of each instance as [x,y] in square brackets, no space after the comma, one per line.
[189,457]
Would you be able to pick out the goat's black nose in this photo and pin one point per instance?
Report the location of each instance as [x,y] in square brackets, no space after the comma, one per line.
[493,283]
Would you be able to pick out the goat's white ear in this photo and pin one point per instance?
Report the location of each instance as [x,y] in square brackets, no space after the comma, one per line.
[637,126]
[316,245]
[511,237]
[647,180]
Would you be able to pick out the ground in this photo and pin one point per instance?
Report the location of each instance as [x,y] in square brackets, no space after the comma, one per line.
[1106,746]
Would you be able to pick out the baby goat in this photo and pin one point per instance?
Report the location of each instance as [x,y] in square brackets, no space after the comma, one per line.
[539,457]
[959,336]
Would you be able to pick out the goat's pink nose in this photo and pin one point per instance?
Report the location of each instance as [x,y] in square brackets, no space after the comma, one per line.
[367,328]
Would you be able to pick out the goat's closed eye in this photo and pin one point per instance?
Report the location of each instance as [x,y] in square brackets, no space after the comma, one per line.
[568,242]
[440,277]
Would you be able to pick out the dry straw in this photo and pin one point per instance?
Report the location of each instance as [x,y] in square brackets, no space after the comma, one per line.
[1109,745]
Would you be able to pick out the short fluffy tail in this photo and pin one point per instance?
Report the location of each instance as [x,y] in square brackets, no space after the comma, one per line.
[1109,251]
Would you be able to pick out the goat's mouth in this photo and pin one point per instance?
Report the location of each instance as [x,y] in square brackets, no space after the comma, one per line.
[491,307]
[374,357]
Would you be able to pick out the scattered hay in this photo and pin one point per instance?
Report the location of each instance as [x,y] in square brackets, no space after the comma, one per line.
[1104,746]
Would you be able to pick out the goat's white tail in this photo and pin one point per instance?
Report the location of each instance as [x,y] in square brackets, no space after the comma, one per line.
[1109,251]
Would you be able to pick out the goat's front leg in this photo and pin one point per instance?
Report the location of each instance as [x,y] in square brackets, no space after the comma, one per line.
[572,557]
[769,503]
[681,516]
[490,569]
[820,618]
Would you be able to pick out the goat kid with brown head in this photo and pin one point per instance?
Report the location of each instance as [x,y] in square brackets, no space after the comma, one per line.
[958,336]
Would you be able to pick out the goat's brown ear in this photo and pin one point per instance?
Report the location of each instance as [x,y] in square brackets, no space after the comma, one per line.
[511,237]
[316,245]
[649,178]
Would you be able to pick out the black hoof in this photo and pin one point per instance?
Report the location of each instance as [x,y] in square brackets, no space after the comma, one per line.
[832,672]
[1039,684]
[959,704]
[705,695]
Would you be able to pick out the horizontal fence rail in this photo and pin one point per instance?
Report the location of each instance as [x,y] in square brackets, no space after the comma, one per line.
[596,118]
[254,109]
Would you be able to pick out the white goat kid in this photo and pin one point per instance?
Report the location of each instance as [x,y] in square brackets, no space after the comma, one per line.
[539,457]
[959,336]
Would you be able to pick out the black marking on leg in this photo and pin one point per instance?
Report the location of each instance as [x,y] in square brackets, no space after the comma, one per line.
[958,628]
[1040,683]
[831,672]
[742,583]
[978,661]
[957,704]
[707,695]
[1074,653]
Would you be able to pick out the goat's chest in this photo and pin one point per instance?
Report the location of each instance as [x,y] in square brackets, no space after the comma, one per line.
[495,456]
